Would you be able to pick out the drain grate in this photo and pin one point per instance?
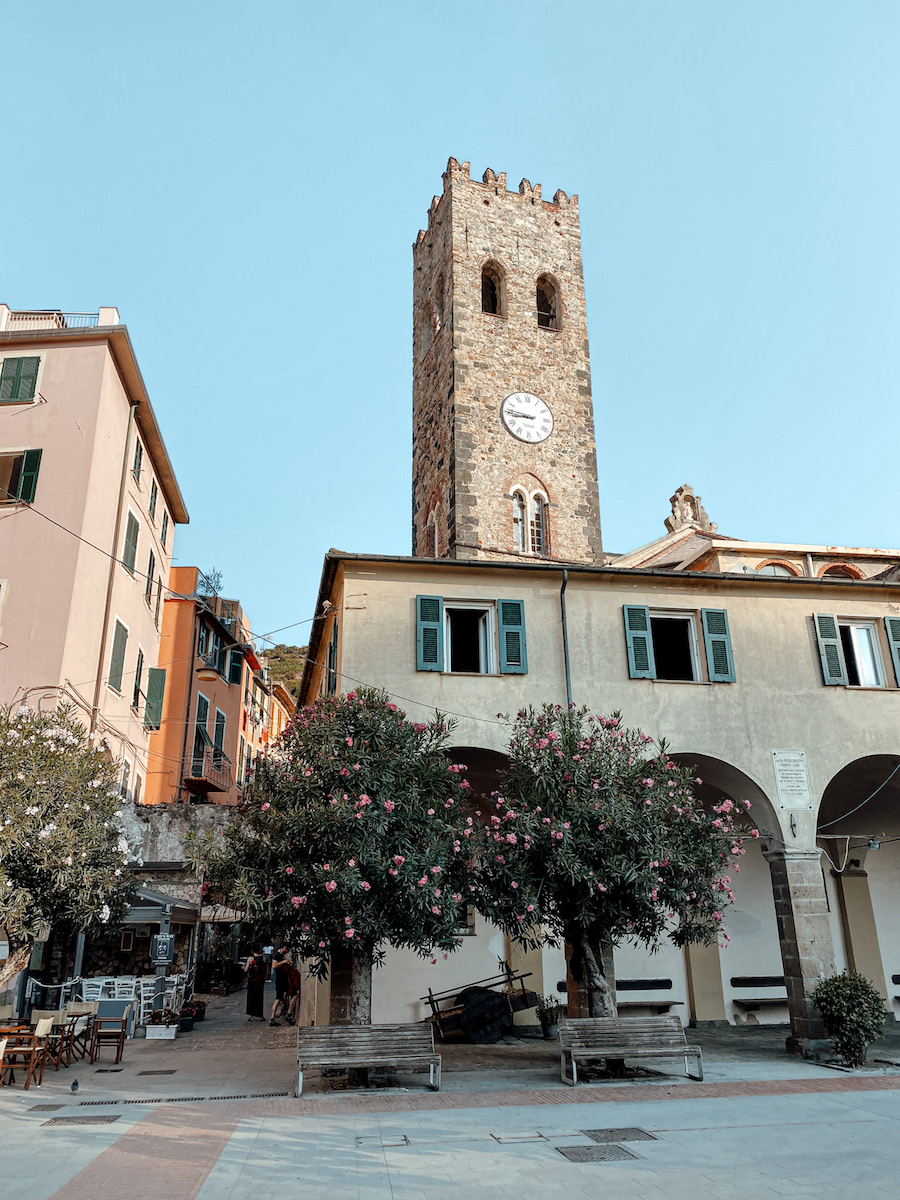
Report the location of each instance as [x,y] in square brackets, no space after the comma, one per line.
[45,1107]
[109,1070]
[94,1119]
[180,1099]
[595,1153]
[156,1072]
[629,1134]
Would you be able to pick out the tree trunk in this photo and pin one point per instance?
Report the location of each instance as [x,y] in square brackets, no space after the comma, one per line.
[17,961]
[359,1008]
[599,995]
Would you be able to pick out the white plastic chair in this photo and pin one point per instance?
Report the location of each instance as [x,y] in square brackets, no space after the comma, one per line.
[124,988]
[145,992]
[91,990]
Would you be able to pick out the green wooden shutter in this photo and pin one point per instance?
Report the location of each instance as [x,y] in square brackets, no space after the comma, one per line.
[429,633]
[236,666]
[151,508]
[638,639]
[156,687]
[513,657]
[719,659]
[138,460]
[148,582]
[9,375]
[834,668]
[219,730]
[117,658]
[129,554]
[892,625]
[18,379]
[164,531]
[31,464]
[138,680]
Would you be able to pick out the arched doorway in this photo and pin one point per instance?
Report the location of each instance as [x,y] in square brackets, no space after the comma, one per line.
[858,829]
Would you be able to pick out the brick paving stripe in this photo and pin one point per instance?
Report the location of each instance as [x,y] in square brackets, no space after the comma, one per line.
[167,1155]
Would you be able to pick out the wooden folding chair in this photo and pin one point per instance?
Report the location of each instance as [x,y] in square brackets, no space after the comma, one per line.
[110,1031]
[25,1051]
[80,1016]
[3,1067]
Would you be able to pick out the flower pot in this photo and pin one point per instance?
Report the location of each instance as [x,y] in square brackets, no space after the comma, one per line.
[551,1030]
[185,1024]
[161,1033]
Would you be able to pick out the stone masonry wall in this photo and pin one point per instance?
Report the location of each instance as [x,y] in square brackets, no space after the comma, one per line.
[465,461]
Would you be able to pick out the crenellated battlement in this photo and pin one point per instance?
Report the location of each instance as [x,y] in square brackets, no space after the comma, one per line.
[458,172]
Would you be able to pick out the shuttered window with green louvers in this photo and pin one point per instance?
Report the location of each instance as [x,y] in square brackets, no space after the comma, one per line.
[639,642]
[129,551]
[892,627]
[18,380]
[513,658]
[429,633]
[156,687]
[117,657]
[716,636]
[831,652]
[470,627]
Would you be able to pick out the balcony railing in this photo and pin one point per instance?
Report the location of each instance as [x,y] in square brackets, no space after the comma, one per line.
[209,771]
[52,318]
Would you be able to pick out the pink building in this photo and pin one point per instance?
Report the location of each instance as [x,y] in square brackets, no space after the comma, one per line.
[88,508]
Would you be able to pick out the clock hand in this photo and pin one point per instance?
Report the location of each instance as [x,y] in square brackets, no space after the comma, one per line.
[527,416]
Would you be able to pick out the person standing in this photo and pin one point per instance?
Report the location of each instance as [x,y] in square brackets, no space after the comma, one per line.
[281,969]
[255,969]
[292,997]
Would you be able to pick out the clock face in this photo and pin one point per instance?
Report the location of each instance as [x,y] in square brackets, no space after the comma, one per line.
[527,417]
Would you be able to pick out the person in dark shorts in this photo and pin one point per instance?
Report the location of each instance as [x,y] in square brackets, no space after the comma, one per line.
[292,997]
[281,969]
[255,967]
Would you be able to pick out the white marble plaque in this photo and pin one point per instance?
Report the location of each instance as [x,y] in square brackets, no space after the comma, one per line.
[791,778]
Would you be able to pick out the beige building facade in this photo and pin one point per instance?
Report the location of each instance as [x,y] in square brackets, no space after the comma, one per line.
[88,510]
[772,670]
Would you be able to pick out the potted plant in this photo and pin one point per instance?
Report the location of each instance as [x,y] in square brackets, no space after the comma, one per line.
[548,1010]
[199,1007]
[186,1018]
[853,1013]
[162,1024]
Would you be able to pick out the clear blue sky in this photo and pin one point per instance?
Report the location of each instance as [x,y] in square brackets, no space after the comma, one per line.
[245,181]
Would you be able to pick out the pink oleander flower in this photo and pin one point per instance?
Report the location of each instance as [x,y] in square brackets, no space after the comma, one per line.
[350,933]
[389,805]
[431,812]
[351,862]
[435,908]
[435,870]
[393,871]
[366,887]
[266,806]
[330,886]
[288,870]
[399,860]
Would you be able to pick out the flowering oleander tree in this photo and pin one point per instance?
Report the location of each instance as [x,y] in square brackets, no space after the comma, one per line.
[351,839]
[63,853]
[599,836]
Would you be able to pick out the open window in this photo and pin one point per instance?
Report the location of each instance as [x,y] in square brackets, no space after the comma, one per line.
[663,644]
[850,650]
[493,290]
[18,476]
[547,303]
[478,637]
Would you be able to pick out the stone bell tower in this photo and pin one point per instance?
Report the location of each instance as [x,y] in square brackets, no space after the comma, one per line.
[504,459]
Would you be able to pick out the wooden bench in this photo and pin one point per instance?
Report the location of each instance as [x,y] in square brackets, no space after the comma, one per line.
[347,1046]
[587,1039]
[657,1007]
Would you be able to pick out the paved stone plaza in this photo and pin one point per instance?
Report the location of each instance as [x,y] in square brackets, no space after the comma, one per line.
[212,1116]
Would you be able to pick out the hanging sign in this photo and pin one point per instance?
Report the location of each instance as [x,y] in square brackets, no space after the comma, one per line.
[162,949]
[792,778]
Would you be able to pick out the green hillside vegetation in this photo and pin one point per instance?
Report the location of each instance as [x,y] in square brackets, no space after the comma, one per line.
[285,665]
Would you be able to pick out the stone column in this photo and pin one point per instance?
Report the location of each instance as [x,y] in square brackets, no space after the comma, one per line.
[858,921]
[706,995]
[805,936]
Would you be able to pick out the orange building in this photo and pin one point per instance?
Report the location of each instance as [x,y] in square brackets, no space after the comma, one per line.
[218,705]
